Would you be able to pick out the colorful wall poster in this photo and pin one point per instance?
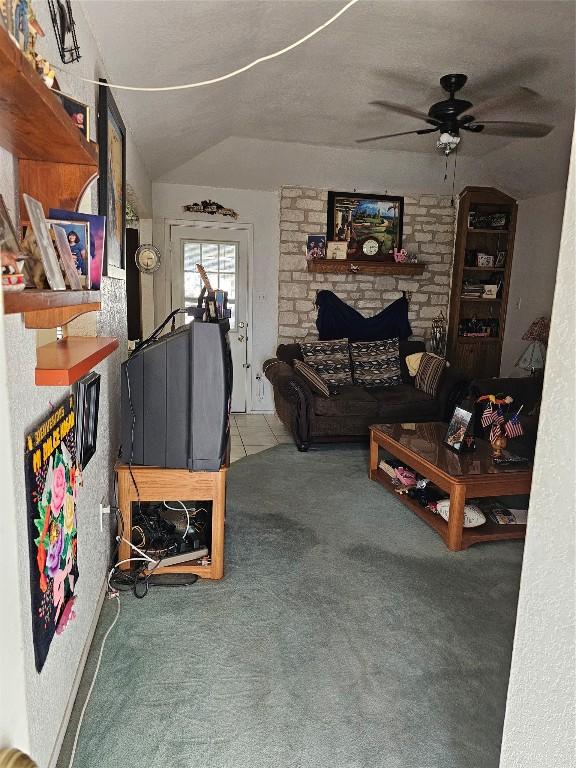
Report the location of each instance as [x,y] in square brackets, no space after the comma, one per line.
[51,482]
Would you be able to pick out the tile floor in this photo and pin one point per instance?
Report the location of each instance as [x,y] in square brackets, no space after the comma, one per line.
[251,433]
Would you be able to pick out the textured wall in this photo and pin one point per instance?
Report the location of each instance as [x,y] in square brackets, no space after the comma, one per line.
[429,223]
[533,272]
[48,694]
[541,707]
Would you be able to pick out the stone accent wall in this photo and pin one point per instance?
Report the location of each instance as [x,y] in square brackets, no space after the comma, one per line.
[429,225]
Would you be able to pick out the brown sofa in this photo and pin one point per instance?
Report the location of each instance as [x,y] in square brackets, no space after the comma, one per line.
[347,415]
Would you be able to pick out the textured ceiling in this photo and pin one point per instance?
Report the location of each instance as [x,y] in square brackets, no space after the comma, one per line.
[319,94]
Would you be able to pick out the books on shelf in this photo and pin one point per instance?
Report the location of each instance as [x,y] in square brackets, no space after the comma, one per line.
[503,515]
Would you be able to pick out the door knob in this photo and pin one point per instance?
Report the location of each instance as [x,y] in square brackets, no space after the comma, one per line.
[240,338]
[241,325]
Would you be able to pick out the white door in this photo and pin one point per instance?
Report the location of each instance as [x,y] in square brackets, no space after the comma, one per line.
[224,255]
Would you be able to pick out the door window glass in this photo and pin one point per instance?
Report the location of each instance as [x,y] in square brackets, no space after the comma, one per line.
[220,261]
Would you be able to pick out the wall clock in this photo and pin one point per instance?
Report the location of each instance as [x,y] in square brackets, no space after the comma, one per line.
[147,259]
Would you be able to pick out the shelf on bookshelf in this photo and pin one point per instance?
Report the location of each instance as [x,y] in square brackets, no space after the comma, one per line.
[487,231]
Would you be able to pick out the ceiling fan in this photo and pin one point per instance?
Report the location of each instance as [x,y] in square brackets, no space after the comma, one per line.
[451,115]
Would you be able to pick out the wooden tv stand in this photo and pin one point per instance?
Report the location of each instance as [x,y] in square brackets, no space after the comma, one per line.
[157,484]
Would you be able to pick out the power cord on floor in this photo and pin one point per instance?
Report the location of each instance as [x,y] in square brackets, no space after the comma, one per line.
[79,726]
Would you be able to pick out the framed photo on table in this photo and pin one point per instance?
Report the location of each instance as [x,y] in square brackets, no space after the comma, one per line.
[112,182]
[458,430]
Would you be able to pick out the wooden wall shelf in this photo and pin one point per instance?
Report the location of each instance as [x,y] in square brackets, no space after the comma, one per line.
[340,266]
[49,309]
[33,123]
[61,363]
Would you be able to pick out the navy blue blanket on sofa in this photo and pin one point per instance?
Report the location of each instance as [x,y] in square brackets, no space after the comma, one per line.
[338,320]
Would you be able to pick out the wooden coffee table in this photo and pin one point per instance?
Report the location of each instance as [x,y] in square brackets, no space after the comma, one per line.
[465,475]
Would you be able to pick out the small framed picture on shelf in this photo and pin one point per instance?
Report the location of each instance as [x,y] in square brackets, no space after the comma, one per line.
[500,259]
[484,260]
[78,236]
[66,258]
[458,430]
[47,251]
[336,250]
[79,113]
[490,292]
[316,247]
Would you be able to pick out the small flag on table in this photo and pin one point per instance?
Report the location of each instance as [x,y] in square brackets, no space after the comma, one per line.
[488,415]
[495,431]
[499,416]
[513,427]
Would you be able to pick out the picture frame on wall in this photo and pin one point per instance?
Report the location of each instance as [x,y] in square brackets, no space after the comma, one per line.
[79,113]
[112,182]
[370,225]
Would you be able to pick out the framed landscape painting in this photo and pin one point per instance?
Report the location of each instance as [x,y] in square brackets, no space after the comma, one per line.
[112,182]
[371,225]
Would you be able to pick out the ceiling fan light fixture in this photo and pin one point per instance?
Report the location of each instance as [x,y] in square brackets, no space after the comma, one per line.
[447,142]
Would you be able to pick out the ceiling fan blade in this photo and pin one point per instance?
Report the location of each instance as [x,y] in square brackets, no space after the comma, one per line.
[515,98]
[510,128]
[402,133]
[403,110]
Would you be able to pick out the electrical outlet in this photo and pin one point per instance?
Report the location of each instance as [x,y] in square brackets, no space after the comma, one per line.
[104,510]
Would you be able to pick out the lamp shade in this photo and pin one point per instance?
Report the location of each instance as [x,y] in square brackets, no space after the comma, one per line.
[538,331]
[533,357]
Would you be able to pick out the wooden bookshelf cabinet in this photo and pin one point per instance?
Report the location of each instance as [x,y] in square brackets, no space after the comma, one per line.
[477,322]
[55,165]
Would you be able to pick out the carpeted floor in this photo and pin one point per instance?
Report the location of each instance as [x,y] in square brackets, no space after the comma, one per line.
[344,635]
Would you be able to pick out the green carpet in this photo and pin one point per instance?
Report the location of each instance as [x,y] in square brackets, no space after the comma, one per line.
[344,634]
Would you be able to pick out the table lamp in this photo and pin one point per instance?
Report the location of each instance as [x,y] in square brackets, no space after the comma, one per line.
[534,356]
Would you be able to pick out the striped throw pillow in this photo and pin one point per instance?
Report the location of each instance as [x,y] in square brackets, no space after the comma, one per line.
[376,363]
[316,382]
[330,359]
[429,373]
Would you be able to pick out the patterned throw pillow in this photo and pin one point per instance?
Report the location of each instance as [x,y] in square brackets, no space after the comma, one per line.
[330,359]
[429,373]
[316,382]
[376,363]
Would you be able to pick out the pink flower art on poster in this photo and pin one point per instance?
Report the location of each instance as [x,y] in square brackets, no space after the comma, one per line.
[68,615]
[59,583]
[58,489]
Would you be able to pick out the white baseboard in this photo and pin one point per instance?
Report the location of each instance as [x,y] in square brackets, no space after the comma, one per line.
[78,677]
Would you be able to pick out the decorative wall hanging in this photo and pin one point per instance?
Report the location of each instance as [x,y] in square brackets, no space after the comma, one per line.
[64,30]
[50,468]
[112,182]
[209,206]
[371,225]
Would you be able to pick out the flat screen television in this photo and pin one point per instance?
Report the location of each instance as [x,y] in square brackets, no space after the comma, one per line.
[176,394]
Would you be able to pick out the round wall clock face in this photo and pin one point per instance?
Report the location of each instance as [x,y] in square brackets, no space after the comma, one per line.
[370,246]
[147,259]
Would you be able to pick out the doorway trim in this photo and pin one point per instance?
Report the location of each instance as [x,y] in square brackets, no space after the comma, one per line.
[231,227]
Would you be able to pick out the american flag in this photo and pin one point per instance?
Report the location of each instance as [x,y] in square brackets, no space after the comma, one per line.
[499,416]
[495,431]
[513,428]
[488,415]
